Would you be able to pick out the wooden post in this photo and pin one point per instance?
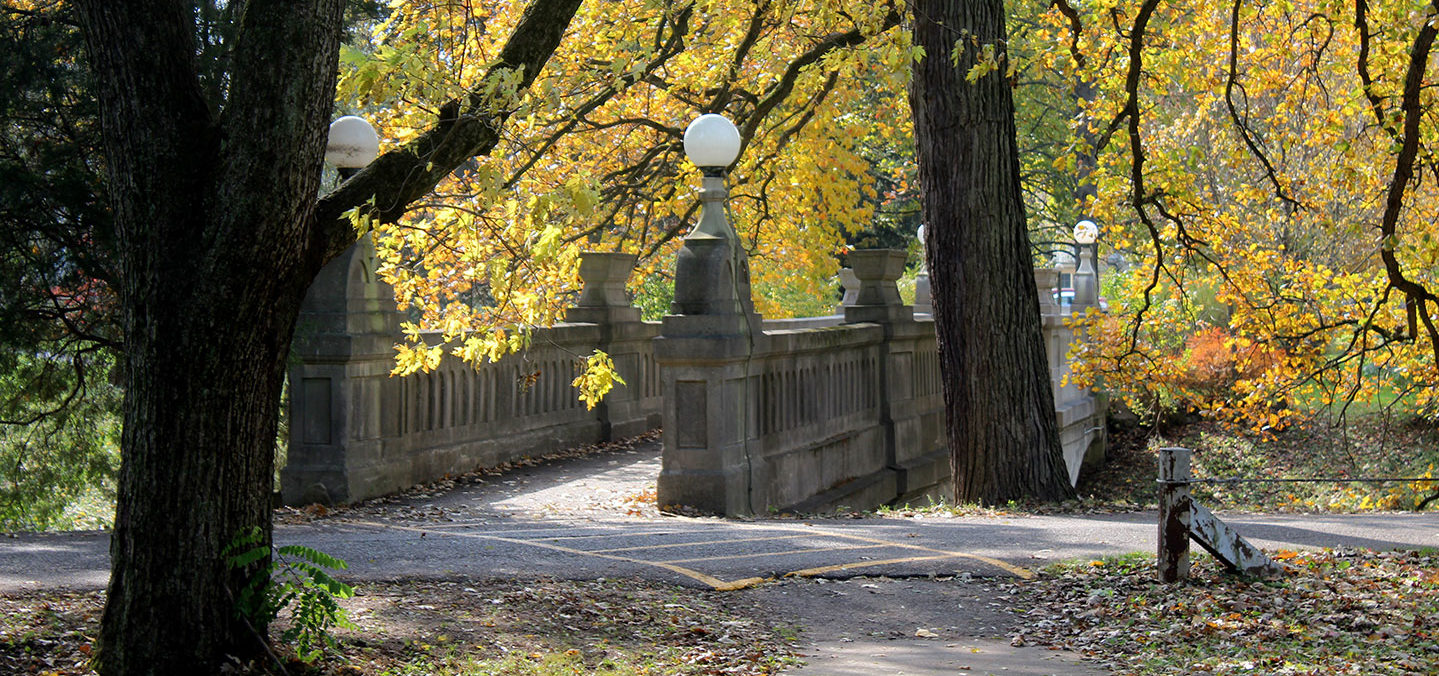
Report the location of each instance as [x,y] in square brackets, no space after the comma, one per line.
[1174,514]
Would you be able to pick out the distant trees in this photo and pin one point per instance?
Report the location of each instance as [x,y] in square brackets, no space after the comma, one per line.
[59,329]
[1265,170]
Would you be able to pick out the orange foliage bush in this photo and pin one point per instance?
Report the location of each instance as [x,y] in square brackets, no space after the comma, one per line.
[1214,360]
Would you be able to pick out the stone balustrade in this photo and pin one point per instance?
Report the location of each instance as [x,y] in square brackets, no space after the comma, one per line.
[802,415]
[808,419]
[356,432]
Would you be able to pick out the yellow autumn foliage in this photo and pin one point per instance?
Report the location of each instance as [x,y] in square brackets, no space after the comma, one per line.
[1267,163]
[592,157]
[1240,166]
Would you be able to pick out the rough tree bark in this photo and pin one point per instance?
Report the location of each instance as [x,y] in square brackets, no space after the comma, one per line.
[1004,442]
[220,232]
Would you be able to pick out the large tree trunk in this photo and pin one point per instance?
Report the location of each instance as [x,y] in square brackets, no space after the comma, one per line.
[219,232]
[212,210]
[1004,443]
[199,447]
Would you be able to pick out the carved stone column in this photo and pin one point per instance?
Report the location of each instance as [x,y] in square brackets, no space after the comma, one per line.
[705,350]
[342,355]
[850,284]
[625,411]
[603,297]
[878,299]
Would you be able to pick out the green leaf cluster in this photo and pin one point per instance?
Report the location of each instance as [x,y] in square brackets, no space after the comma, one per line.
[294,577]
[68,451]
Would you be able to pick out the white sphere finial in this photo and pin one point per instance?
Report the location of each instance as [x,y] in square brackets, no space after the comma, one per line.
[353,143]
[712,141]
[1086,232]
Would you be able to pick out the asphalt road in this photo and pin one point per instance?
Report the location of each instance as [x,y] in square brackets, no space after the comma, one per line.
[580,519]
[588,518]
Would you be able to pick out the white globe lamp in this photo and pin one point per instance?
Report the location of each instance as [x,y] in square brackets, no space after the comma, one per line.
[712,142]
[353,144]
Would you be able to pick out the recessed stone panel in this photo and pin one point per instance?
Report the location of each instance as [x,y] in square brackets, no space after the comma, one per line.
[316,393]
[691,421]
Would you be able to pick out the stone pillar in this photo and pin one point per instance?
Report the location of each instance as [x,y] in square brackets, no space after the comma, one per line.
[1080,413]
[1086,281]
[914,447]
[605,301]
[342,355]
[878,298]
[705,350]
[850,284]
[1056,334]
[603,297]
[923,299]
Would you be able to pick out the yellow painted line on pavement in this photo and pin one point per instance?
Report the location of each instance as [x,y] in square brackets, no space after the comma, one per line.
[714,582]
[942,554]
[690,544]
[812,572]
[930,553]
[611,534]
[757,555]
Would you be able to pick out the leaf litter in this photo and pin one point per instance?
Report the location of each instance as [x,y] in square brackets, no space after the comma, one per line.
[1343,611]
[466,626]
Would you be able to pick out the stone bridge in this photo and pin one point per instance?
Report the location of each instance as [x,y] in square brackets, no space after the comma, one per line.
[801,415]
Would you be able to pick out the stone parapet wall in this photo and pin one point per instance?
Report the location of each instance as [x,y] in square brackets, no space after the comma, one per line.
[356,432]
[815,401]
[802,415]
[821,413]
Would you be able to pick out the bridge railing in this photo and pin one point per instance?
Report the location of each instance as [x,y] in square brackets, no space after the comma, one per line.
[846,411]
[758,415]
[356,432]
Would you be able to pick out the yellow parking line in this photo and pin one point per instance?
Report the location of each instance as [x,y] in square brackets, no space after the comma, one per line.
[692,544]
[612,534]
[713,582]
[784,553]
[812,572]
[931,554]
[1012,569]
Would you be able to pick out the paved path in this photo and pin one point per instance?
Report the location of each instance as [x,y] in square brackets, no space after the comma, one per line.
[722,554]
[583,519]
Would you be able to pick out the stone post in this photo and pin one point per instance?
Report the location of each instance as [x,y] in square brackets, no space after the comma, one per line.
[1056,334]
[705,351]
[605,301]
[923,298]
[603,298]
[850,284]
[914,448]
[878,298]
[1081,411]
[1086,281]
[342,355]
[1046,281]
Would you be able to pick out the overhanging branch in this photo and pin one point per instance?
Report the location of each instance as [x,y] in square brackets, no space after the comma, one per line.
[467,128]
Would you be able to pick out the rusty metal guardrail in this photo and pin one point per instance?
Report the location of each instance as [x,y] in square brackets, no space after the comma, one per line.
[1181,519]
